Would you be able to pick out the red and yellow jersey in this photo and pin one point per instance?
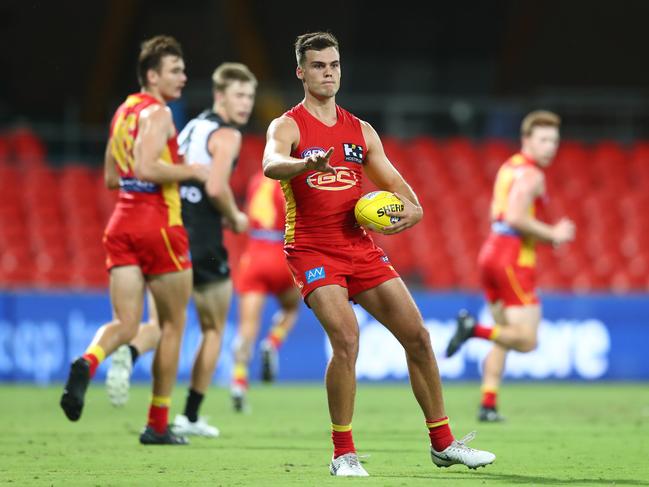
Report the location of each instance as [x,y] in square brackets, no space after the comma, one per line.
[265,203]
[134,192]
[320,206]
[505,178]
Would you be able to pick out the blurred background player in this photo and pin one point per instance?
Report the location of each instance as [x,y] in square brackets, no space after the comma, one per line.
[262,271]
[507,260]
[145,241]
[212,140]
[319,152]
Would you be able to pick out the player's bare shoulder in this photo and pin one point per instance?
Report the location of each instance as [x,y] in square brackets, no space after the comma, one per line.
[157,117]
[531,178]
[225,137]
[284,129]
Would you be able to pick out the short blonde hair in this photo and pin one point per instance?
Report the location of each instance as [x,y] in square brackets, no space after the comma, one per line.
[226,73]
[539,118]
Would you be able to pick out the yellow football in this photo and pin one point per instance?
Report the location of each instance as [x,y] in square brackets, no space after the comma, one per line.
[371,210]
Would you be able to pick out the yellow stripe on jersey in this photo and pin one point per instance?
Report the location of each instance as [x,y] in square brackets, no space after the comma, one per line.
[291,210]
[527,253]
[503,185]
[516,286]
[170,194]
[122,142]
[172,254]
[262,208]
[517,160]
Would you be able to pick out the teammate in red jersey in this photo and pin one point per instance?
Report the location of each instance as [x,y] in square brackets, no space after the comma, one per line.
[320,152]
[262,271]
[145,241]
[507,259]
[212,139]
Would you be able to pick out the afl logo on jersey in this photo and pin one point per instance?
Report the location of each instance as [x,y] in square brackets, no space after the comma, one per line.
[343,179]
[312,150]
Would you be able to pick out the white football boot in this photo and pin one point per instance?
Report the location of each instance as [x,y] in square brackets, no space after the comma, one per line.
[183,426]
[347,465]
[118,378]
[458,453]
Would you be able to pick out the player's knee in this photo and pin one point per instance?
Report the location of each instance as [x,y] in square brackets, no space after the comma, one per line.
[129,333]
[418,346]
[345,347]
[211,324]
[528,344]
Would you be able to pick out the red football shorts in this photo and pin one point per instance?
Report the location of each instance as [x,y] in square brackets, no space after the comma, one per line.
[502,278]
[154,247]
[357,266]
[263,269]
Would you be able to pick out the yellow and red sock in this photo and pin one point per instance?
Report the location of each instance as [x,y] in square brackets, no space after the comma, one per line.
[276,336]
[240,375]
[342,438]
[94,356]
[486,332]
[439,432]
[489,397]
[159,413]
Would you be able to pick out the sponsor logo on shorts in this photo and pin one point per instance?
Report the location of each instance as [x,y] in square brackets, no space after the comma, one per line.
[315,274]
[312,151]
[343,179]
[353,152]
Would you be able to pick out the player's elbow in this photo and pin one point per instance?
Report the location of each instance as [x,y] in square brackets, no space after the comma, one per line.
[270,169]
[110,184]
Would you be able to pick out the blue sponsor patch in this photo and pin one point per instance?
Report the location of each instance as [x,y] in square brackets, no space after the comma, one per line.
[315,274]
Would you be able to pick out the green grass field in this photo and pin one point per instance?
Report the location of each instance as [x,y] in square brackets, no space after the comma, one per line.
[557,434]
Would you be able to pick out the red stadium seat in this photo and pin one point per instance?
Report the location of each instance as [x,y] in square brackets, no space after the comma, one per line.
[27,147]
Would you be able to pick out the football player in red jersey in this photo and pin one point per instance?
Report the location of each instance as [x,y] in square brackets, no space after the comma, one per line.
[146,243]
[262,272]
[320,152]
[507,259]
[212,139]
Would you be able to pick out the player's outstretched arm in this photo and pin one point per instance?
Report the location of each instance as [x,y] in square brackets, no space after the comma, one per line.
[224,145]
[283,134]
[385,176]
[156,126]
[526,187]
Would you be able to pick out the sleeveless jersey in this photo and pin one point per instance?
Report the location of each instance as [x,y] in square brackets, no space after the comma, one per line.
[265,203]
[133,192]
[320,206]
[192,142]
[499,203]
